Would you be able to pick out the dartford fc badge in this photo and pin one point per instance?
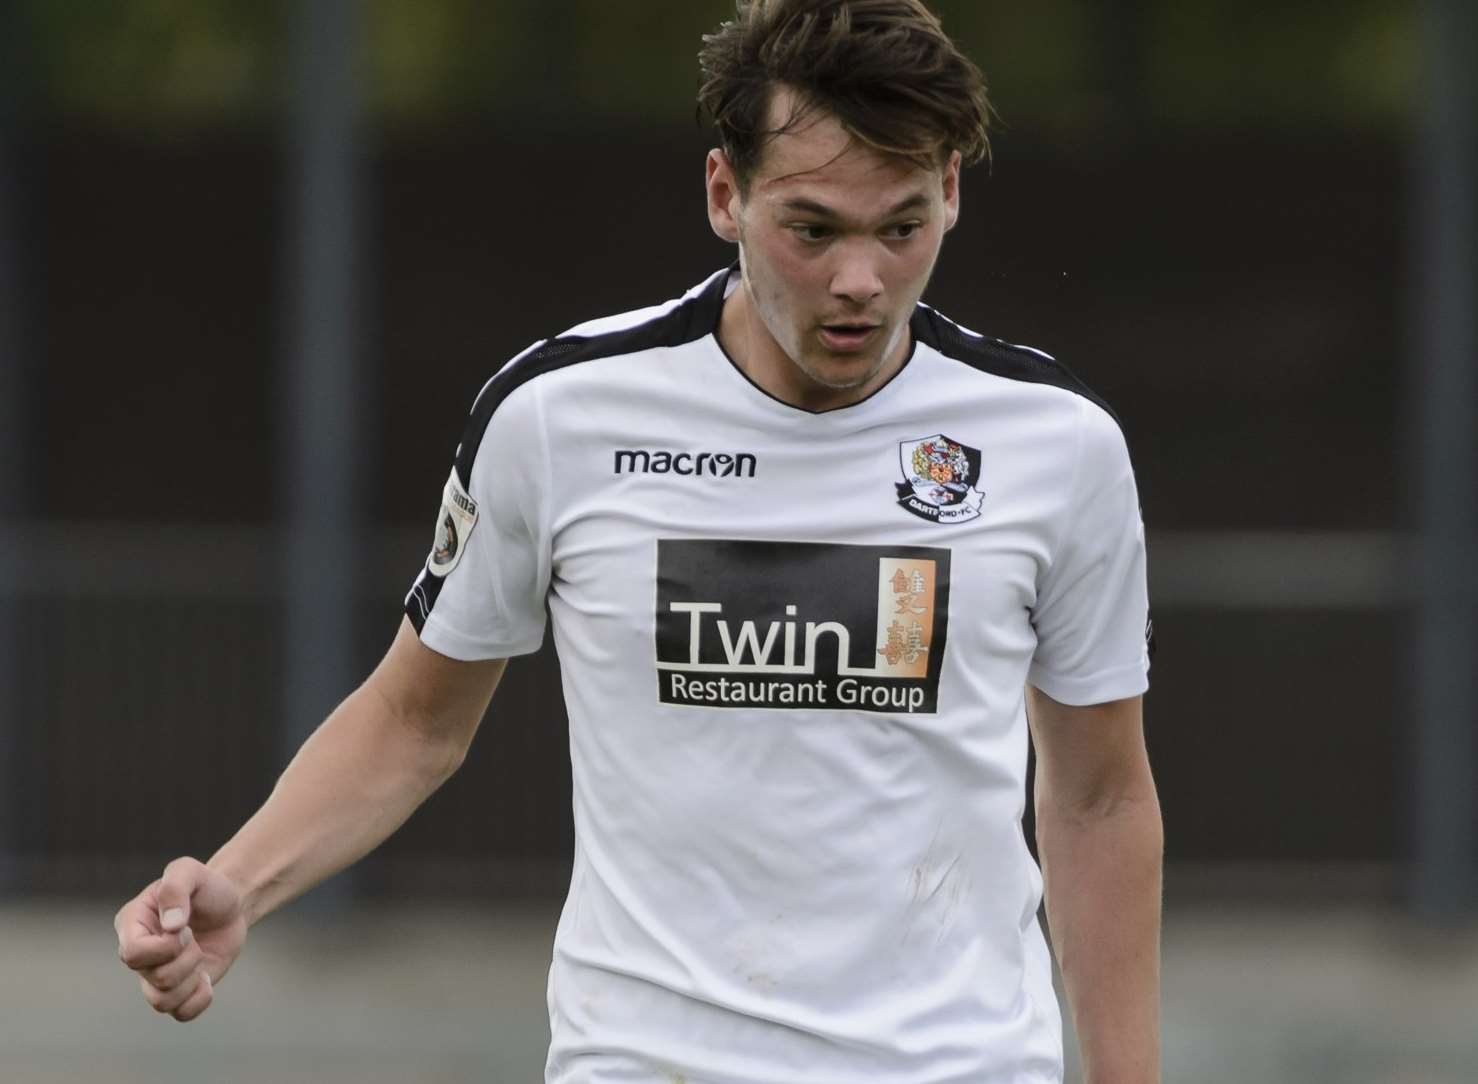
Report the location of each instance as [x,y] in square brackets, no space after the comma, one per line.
[939,478]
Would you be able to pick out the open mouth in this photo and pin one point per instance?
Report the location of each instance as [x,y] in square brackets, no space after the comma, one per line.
[846,338]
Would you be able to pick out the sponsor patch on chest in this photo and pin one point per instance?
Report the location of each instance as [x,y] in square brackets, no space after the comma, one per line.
[743,624]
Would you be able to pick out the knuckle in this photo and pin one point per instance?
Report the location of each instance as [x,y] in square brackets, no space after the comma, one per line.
[186,1013]
[171,1000]
[167,976]
[163,1001]
[183,864]
[130,956]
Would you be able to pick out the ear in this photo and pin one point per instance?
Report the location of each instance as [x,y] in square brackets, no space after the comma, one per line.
[723,196]
[951,181]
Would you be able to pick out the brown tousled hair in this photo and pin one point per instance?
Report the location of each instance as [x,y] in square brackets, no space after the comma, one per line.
[884,68]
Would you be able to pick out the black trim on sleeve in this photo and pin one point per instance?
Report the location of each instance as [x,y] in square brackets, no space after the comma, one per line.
[1013,362]
[689,320]
[686,322]
[421,598]
[999,358]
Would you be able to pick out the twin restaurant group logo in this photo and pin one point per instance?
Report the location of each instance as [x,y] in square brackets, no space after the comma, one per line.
[801,625]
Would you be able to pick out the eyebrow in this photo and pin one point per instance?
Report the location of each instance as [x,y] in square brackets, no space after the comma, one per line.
[807,206]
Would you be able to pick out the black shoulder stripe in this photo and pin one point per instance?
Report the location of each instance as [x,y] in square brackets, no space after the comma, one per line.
[686,322]
[999,358]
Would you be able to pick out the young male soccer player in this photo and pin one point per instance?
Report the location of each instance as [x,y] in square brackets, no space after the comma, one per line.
[814,553]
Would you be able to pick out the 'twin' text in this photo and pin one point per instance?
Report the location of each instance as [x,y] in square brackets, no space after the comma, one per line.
[716,464]
[779,667]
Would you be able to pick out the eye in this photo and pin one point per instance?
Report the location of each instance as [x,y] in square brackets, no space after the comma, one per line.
[811,233]
[902,231]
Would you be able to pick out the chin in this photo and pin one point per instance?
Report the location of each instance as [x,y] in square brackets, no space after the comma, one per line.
[842,375]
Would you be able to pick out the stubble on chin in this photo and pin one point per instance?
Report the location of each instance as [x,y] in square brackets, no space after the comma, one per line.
[845,379]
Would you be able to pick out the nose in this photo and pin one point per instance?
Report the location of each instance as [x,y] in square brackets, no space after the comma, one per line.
[856,278]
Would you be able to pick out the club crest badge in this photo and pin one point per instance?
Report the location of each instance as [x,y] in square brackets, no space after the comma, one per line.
[454,524]
[939,479]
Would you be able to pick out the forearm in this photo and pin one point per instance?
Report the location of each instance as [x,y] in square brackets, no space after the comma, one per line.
[1101,869]
[353,783]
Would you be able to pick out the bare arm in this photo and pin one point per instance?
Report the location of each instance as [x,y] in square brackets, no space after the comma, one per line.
[1100,840]
[371,763]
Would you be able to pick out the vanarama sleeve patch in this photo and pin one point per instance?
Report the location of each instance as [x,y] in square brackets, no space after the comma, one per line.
[453,527]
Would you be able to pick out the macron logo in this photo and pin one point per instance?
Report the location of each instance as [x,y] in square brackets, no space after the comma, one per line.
[716,464]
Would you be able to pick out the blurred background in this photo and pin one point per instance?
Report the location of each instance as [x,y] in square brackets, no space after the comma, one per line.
[256,260]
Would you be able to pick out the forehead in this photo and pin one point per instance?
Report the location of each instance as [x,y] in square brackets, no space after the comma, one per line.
[819,159]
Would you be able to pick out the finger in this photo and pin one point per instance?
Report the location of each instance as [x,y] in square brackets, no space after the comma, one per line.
[170,1000]
[181,878]
[197,1002]
[139,915]
[154,950]
[168,976]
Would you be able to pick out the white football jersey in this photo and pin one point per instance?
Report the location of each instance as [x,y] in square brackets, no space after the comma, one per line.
[794,648]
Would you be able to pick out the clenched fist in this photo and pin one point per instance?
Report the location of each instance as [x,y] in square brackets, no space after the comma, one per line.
[181,934]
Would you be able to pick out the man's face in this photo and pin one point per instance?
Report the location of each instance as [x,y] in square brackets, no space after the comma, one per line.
[837,242]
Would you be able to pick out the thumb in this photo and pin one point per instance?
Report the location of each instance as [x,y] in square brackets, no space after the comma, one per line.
[181,879]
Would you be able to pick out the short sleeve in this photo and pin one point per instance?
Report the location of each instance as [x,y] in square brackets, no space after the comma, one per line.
[481,592]
[1092,605]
